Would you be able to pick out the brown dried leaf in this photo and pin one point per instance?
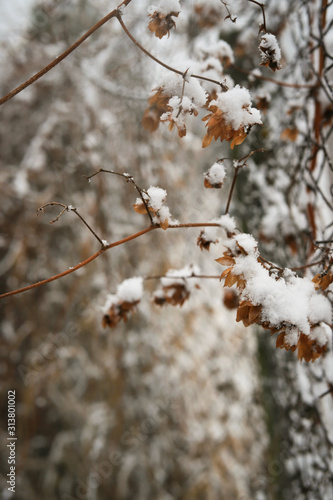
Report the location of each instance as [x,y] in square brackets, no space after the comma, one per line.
[161,24]
[207,16]
[230,299]
[117,312]
[176,294]
[219,128]
[289,134]
[226,260]
[323,281]
[231,279]
[204,243]
[157,106]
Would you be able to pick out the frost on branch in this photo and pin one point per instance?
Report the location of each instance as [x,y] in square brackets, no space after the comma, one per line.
[279,301]
[270,52]
[231,117]
[214,177]
[176,287]
[173,100]
[161,17]
[155,198]
[118,306]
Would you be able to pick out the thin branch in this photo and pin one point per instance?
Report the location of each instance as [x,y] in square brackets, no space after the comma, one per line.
[232,188]
[68,208]
[330,390]
[102,250]
[158,61]
[229,16]
[277,82]
[238,166]
[246,157]
[262,6]
[128,178]
[201,276]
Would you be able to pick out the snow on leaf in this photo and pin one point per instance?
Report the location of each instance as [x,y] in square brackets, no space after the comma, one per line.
[161,17]
[270,52]
[215,176]
[231,117]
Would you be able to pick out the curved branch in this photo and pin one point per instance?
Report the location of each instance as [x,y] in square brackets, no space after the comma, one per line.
[102,250]
[60,58]
[161,63]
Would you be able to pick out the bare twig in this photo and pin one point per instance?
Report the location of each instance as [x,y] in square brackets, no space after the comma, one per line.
[102,250]
[262,6]
[238,166]
[199,276]
[69,208]
[223,86]
[128,178]
[60,58]
[229,16]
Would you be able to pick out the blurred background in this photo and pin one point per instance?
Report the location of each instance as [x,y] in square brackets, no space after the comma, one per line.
[178,402]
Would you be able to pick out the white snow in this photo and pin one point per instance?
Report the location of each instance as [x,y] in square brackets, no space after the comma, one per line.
[173,84]
[130,290]
[227,222]
[269,43]
[156,197]
[165,7]
[216,174]
[178,276]
[288,300]
[110,300]
[236,107]
[247,242]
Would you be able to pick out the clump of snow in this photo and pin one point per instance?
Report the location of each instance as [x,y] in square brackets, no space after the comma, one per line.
[321,334]
[186,96]
[216,174]
[156,197]
[130,290]
[227,222]
[172,85]
[289,300]
[248,243]
[270,51]
[209,234]
[219,49]
[236,107]
[178,276]
[165,7]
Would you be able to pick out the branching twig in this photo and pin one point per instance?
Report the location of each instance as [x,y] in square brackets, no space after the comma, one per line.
[128,178]
[68,208]
[223,86]
[102,250]
[262,6]
[229,16]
